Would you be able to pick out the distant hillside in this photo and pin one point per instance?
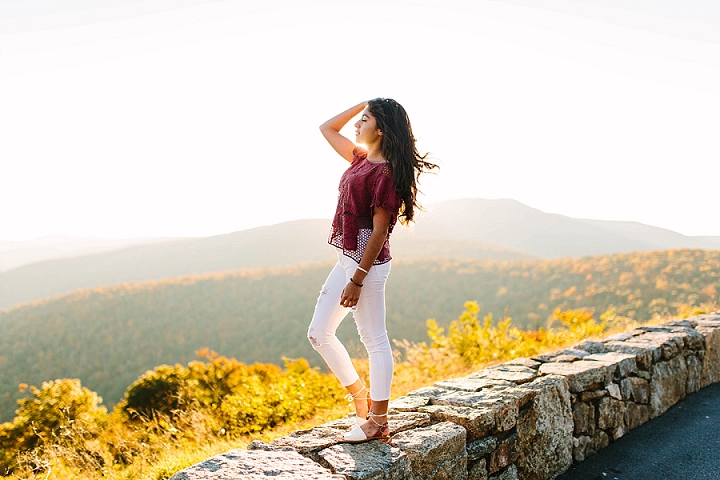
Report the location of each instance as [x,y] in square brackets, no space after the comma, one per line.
[289,243]
[654,237]
[468,228]
[510,223]
[14,254]
[109,336]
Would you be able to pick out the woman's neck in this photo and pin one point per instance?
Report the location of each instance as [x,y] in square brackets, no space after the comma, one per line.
[374,154]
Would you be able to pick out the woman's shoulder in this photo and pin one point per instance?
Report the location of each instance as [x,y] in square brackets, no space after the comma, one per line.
[359,153]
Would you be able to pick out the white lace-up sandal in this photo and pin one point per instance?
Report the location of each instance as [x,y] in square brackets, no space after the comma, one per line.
[351,397]
[357,434]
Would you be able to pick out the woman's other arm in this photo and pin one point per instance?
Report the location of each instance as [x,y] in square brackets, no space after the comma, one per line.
[381,224]
[331,131]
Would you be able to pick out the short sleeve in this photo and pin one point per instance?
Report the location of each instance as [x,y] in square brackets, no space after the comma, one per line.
[384,194]
[359,154]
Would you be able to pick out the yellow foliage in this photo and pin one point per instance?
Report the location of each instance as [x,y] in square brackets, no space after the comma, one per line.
[470,342]
[62,425]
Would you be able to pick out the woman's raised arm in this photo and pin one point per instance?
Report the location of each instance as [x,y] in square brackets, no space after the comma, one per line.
[331,131]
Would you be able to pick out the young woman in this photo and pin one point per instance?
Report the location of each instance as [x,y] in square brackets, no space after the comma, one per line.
[378,188]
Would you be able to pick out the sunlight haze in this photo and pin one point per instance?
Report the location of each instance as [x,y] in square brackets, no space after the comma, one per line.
[124,119]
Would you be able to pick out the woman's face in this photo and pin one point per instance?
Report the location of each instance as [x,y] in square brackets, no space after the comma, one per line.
[366,131]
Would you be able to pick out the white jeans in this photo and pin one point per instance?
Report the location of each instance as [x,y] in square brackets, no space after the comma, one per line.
[369,317]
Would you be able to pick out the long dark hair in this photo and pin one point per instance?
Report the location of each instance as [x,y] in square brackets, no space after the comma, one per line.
[398,148]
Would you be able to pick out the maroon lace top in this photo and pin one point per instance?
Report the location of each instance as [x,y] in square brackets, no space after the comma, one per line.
[363,186]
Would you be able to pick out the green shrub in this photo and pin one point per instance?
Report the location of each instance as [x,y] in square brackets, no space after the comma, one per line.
[233,397]
[62,412]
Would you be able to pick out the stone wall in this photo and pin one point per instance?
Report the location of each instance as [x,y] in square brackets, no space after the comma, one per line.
[525,419]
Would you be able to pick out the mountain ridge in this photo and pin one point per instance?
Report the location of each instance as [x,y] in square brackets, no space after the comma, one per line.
[463,228]
[510,223]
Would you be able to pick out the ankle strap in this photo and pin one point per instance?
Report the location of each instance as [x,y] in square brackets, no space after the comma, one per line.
[352,396]
[371,416]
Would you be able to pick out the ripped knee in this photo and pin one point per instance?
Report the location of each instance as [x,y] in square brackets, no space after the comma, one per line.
[313,339]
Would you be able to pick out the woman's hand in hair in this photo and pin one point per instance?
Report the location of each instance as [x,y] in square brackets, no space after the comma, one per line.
[331,131]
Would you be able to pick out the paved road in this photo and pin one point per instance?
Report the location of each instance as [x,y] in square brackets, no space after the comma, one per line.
[682,444]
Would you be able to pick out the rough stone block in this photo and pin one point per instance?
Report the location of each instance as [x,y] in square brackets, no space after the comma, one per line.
[407,404]
[478,471]
[429,447]
[477,421]
[521,394]
[517,374]
[468,384]
[592,395]
[367,461]
[453,469]
[545,430]
[614,391]
[566,358]
[635,389]
[504,407]
[580,447]
[647,341]
[429,392]
[667,385]
[695,374]
[256,464]
[582,375]
[636,415]
[510,473]
[611,413]
[711,363]
[601,440]
[591,347]
[575,351]
[401,421]
[584,418]
[626,362]
[711,319]
[480,448]
[503,455]
[671,344]
[693,339]
[643,352]
[308,442]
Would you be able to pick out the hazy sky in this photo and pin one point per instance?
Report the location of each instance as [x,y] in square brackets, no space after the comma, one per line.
[124,118]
